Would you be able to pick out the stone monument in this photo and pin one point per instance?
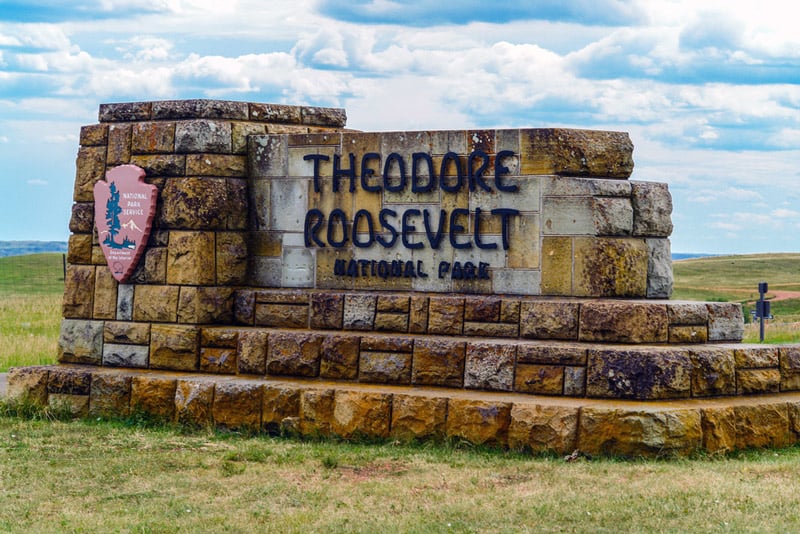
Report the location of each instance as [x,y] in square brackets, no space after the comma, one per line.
[505,287]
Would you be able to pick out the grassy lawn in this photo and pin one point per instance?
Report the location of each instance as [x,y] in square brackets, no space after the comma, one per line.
[90,476]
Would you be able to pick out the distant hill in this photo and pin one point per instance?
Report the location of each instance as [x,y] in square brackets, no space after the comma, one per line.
[690,255]
[19,248]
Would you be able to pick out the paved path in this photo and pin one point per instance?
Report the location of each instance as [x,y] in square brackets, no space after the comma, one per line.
[3,384]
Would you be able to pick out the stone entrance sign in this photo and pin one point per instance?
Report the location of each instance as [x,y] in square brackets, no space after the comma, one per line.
[507,287]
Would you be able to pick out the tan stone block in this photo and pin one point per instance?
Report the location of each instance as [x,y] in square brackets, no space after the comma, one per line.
[688,334]
[623,322]
[552,353]
[569,152]
[713,372]
[541,428]
[556,266]
[204,305]
[483,309]
[418,315]
[110,395]
[282,315]
[648,373]
[97,256]
[418,417]
[81,220]
[75,405]
[316,412]
[94,135]
[79,250]
[174,347]
[509,311]
[719,429]
[339,357]
[190,259]
[280,403]
[154,396]
[218,165]
[639,432]
[445,315]
[237,405]
[69,380]
[271,296]
[609,267]
[549,320]
[539,379]
[438,363]
[757,381]
[217,360]
[27,385]
[490,329]
[360,414]
[687,313]
[239,133]
[231,257]
[221,336]
[391,322]
[294,354]
[327,311]
[193,401]
[155,265]
[393,303]
[119,144]
[790,367]
[384,367]
[489,366]
[763,424]
[524,235]
[91,167]
[754,356]
[478,422]
[79,291]
[80,341]
[155,303]
[105,295]
[252,352]
[153,137]
[387,343]
[161,164]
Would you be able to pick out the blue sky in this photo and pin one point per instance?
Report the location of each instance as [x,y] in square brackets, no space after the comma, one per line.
[709,90]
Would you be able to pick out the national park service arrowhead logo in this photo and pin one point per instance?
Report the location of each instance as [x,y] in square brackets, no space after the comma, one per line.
[124,206]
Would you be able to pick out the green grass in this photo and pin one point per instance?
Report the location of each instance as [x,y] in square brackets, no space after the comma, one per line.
[32,274]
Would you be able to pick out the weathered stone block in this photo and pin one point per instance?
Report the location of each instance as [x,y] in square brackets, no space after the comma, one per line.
[78,292]
[575,381]
[688,334]
[639,432]
[90,168]
[117,355]
[119,144]
[359,312]
[361,414]
[280,404]
[479,422]
[69,381]
[757,381]
[239,133]
[104,304]
[417,417]
[282,315]
[154,396]
[643,373]
[190,258]
[237,405]
[174,347]
[205,305]
[438,363]
[125,302]
[754,356]
[539,379]
[688,313]
[213,137]
[94,135]
[659,269]
[155,303]
[418,315]
[218,360]
[110,395]
[490,329]
[612,216]
[80,342]
[153,137]
[193,401]
[556,265]
[82,219]
[327,311]
[387,343]
[576,153]
[713,372]
[294,354]
[339,357]
[445,315]
[790,367]
[231,248]
[125,111]
[332,117]
[28,385]
[252,352]
[219,165]
[161,164]
[490,366]
[155,265]
[199,108]
[623,322]
[75,405]
[725,321]
[552,353]
[652,204]
[79,250]
[244,307]
[221,337]
[762,425]
[385,367]
[610,267]
[549,320]
[541,428]
[483,309]
[316,412]
[719,429]
[391,322]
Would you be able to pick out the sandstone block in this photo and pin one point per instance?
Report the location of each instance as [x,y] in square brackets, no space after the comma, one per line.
[359,312]
[244,307]
[688,313]
[161,164]
[199,109]
[762,425]
[317,116]
[327,311]
[154,396]
[90,168]
[190,258]
[553,353]
[94,135]
[218,360]
[688,334]
[416,417]
[391,322]
[387,343]
[576,153]
[275,113]
[78,292]
[725,321]
[549,320]
[339,357]
[282,315]
[360,414]
[155,265]
[757,381]
[118,355]
[490,366]
[490,329]
[445,315]
[478,422]
[575,381]
[231,248]
[69,381]
[418,315]
[155,303]
[754,356]
[556,265]
[623,322]
[104,304]
[110,395]
[639,432]
[294,354]
[221,337]
[280,404]
[237,405]
[713,372]
[384,367]
[193,136]
[646,373]
[75,405]
[205,305]
[219,165]
[82,219]
[252,352]
[719,429]
[543,428]
[79,250]
[28,385]
[193,402]
[268,156]
[153,137]
[125,302]
[659,269]
[125,111]
[612,216]
[119,144]
[239,133]
[438,363]
[316,412]
[393,303]
[80,342]
[652,204]
[174,347]
[610,267]
[790,367]
[194,203]
[539,379]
